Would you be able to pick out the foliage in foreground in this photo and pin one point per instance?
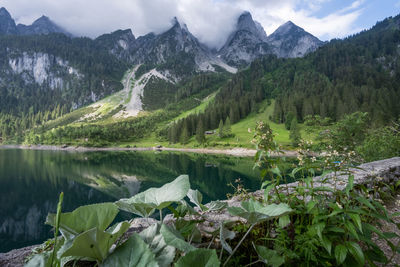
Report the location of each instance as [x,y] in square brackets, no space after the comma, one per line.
[307,225]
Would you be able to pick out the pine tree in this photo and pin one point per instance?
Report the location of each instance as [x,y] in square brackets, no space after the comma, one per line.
[227,127]
[200,132]
[232,114]
[221,129]
[294,135]
[174,134]
[289,119]
[184,135]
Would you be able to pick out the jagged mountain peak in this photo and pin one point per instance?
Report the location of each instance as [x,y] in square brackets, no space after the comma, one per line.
[175,21]
[245,22]
[249,41]
[44,21]
[119,43]
[7,24]
[246,42]
[126,34]
[287,28]
[43,25]
[43,18]
[4,13]
[178,26]
[290,40]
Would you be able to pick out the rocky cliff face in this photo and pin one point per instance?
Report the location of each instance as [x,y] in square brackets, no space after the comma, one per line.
[289,40]
[120,43]
[246,43]
[44,69]
[249,41]
[7,24]
[175,47]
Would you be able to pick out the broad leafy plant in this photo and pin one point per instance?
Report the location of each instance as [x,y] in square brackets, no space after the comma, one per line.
[144,204]
[328,226]
[315,223]
[85,233]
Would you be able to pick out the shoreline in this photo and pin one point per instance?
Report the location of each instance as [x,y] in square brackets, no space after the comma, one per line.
[237,152]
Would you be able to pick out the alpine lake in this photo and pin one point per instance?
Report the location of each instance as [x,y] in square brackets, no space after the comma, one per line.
[31,181]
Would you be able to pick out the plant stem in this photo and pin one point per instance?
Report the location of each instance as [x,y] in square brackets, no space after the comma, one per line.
[57,226]
[240,242]
[254,262]
[212,239]
[161,218]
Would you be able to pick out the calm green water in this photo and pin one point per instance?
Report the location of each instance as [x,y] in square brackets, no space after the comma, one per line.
[30,182]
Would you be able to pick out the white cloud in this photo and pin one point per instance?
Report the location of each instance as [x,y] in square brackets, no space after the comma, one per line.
[209,20]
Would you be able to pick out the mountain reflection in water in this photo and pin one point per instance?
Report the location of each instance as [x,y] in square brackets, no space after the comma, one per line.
[30,182]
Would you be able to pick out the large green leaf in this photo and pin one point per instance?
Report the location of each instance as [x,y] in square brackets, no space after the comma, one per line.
[340,253]
[164,253]
[225,234]
[94,243]
[183,209]
[255,212]
[216,205]
[196,198]
[174,238]
[269,256]
[199,258]
[44,259]
[356,251]
[284,221]
[145,203]
[327,243]
[133,253]
[41,260]
[84,218]
[188,229]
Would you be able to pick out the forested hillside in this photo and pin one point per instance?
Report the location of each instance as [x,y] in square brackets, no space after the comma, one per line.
[45,76]
[359,73]
[102,72]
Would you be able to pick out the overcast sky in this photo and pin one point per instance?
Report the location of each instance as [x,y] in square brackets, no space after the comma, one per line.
[210,21]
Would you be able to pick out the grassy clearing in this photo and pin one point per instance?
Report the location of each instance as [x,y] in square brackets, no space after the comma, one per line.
[200,108]
[242,136]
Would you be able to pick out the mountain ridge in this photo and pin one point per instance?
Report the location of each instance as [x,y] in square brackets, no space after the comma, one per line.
[247,42]
[42,25]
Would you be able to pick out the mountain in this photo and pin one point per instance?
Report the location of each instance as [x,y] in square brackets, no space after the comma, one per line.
[359,73]
[172,81]
[39,72]
[120,43]
[177,50]
[42,25]
[249,41]
[245,43]
[7,24]
[289,40]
